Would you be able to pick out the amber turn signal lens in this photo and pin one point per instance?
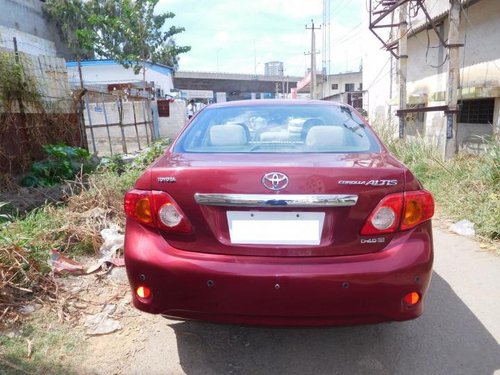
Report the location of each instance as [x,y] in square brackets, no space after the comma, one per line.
[143,292]
[143,210]
[412,298]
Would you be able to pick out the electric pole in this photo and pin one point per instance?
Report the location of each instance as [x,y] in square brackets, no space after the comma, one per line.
[403,65]
[451,146]
[313,53]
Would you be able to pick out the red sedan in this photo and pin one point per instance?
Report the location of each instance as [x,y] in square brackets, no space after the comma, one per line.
[279,213]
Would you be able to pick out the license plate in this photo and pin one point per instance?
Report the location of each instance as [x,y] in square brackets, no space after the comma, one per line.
[275,228]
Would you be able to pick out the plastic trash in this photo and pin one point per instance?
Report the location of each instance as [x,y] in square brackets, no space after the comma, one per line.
[102,323]
[113,241]
[464,228]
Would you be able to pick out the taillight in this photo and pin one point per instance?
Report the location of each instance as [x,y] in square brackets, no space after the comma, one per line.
[156,209]
[419,207]
[169,214]
[399,210]
[385,217]
[138,206]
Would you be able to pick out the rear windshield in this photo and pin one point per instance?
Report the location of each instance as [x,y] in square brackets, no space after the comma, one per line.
[277,129]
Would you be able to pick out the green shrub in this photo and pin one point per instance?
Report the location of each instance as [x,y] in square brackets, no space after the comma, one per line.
[466,187]
[62,163]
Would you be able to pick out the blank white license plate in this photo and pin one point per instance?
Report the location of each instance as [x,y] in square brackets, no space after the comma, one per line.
[275,228]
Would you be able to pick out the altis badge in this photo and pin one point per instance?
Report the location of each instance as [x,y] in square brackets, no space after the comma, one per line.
[369,182]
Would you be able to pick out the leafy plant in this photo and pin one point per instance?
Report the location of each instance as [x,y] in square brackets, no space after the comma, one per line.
[128,31]
[62,163]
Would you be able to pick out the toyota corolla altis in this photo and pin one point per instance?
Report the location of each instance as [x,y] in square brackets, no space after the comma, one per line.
[279,213]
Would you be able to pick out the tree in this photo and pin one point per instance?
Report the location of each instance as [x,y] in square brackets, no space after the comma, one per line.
[71,18]
[127,31]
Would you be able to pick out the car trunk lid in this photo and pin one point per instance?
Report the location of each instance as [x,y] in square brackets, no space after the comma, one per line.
[234,209]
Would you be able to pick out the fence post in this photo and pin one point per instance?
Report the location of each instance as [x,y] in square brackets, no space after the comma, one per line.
[135,125]
[87,105]
[80,104]
[146,120]
[156,121]
[107,123]
[120,123]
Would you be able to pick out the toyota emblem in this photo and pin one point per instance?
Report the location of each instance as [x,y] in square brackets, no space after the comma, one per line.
[275,180]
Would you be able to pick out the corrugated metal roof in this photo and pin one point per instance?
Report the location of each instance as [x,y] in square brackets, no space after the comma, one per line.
[439,17]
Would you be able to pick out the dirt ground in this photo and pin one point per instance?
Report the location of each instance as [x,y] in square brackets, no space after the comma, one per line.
[23,200]
[141,343]
[93,294]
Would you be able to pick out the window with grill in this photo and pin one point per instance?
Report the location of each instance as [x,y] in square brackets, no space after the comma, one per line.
[478,111]
[349,87]
[335,86]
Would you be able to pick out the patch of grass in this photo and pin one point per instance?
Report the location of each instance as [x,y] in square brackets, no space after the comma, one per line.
[466,187]
[39,347]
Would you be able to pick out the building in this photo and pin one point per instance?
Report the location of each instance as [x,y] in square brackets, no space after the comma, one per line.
[344,88]
[232,86]
[273,68]
[109,75]
[341,87]
[34,33]
[427,73]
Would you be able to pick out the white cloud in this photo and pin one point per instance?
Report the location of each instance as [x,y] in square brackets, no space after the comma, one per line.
[238,32]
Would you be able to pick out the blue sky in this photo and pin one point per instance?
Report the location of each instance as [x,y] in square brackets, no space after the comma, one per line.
[239,36]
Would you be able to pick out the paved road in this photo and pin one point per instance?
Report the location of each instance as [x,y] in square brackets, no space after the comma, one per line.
[458,334]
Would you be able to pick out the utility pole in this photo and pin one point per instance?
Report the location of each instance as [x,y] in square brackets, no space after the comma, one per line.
[451,146]
[282,71]
[313,53]
[403,64]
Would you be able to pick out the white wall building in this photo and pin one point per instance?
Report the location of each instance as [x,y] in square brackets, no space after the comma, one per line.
[108,72]
[343,87]
[427,77]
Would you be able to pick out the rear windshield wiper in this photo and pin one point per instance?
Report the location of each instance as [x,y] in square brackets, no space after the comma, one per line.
[348,124]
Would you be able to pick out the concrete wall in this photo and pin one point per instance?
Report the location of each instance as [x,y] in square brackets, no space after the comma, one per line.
[172,125]
[26,18]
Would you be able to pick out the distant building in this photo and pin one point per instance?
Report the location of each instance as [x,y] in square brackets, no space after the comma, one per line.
[273,68]
[342,87]
[109,75]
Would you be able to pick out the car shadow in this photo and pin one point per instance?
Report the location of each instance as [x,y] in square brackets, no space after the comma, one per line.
[447,339]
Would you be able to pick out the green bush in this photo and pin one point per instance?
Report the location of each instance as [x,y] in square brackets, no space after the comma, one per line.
[62,163]
[466,187]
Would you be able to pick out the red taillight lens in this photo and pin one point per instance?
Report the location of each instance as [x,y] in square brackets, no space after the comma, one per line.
[419,207]
[399,210]
[138,206]
[385,217]
[156,209]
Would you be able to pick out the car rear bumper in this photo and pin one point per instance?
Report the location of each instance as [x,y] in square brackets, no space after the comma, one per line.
[364,288]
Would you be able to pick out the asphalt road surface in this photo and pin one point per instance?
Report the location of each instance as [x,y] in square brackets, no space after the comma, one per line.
[459,333]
